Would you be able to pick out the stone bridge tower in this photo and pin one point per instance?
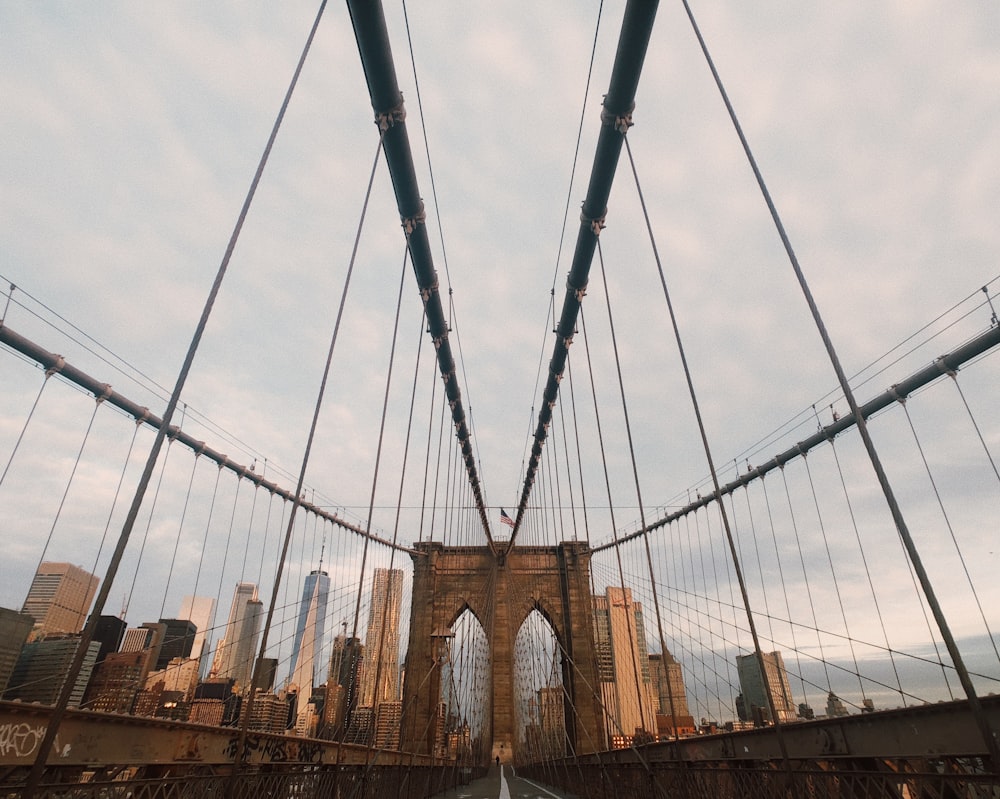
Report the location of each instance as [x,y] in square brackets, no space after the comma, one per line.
[501,592]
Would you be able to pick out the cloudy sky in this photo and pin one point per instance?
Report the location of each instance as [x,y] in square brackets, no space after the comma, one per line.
[130,134]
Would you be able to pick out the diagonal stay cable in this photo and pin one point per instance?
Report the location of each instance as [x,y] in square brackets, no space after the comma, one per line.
[629,620]
[635,469]
[378,653]
[35,776]
[58,365]
[975,347]
[579,138]
[562,232]
[985,728]
[453,325]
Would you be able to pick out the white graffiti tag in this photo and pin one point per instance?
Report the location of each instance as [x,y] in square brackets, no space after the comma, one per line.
[20,740]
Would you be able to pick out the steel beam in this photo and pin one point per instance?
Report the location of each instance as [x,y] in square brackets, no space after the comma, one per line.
[98,740]
[93,741]
[932,750]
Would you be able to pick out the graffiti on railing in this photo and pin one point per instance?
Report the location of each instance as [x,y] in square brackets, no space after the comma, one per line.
[277,750]
[20,739]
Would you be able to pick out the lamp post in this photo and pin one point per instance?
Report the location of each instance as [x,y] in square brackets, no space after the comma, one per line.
[442,638]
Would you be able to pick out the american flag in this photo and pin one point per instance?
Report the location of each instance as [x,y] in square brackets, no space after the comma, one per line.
[505,519]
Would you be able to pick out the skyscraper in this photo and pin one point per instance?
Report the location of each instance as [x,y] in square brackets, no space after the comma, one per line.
[146,638]
[755,694]
[303,676]
[316,589]
[549,717]
[623,666]
[343,684]
[668,685]
[14,630]
[178,640]
[381,662]
[116,681]
[109,632]
[43,667]
[59,598]
[235,654]
[200,610]
[121,675]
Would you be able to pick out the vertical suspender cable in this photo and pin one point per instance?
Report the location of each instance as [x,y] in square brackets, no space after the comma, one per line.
[371,33]
[180,529]
[569,468]
[114,501]
[579,458]
[868,574]
[951,529]
[380,651]
[805,580]
[24,429]
[784,591]
[616,117]
[953,374]
[629,612]
[437,475]
[149,524]
[635,476]
[201,562]
[399,508]
[69,482]
[427,457]
[833,574]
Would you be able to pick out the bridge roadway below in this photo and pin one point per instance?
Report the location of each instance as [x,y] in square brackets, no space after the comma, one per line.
[897,749]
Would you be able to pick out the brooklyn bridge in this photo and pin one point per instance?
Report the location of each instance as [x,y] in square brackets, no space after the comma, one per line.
[742,536]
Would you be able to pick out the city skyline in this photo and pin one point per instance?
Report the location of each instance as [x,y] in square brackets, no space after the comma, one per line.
[868,316]
[619,628]
[811,672]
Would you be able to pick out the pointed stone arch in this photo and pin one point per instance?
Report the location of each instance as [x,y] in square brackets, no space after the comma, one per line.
[540,698]
[458,614]
[501,593]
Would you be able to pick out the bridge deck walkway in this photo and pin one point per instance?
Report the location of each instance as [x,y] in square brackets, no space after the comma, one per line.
[502,782]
